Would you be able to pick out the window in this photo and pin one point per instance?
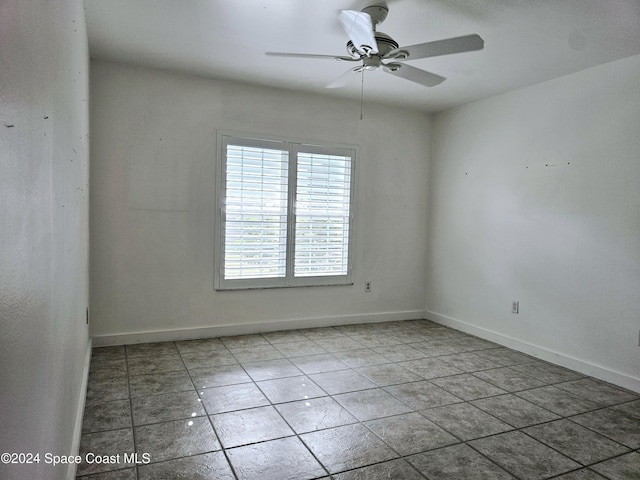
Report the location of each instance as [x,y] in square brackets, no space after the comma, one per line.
[285,214]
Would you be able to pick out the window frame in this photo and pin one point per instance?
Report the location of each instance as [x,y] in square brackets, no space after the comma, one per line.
[293,147]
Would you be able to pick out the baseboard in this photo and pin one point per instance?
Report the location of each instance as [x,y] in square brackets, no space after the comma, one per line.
[77,430]
[558,358]
[248,328]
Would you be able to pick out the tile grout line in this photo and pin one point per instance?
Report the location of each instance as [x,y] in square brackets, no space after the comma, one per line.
[204,407]
[295,433]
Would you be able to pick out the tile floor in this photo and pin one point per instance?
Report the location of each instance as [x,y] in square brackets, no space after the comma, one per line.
[401,400]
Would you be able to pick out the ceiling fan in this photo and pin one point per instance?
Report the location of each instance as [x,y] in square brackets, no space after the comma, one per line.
[373,48]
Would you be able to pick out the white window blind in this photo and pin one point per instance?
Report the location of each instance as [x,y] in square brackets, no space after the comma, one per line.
[256,213]
[285,214]
[322,214]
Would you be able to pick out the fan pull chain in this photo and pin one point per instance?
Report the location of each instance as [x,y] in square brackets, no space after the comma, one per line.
[361,93]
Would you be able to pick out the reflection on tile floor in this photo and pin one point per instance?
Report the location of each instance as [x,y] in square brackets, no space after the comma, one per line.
[402,400]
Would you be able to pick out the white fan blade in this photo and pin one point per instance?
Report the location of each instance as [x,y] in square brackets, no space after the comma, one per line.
[359,29]
[447,46]
[414,74]
[311,55]
[343,79]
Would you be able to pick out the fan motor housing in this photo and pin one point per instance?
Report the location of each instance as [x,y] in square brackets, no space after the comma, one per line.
[377,13]
[384,41]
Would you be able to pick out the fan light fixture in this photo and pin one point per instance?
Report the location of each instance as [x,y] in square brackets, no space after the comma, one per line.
[372,48]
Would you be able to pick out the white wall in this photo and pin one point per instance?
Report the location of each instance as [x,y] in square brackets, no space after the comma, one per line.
[535,196]
[43,230]
[152,205]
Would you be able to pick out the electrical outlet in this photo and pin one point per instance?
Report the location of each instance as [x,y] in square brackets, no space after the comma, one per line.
[515,307]
[367,286]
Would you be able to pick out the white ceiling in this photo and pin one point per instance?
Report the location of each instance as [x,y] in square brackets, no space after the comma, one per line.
[526,42]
